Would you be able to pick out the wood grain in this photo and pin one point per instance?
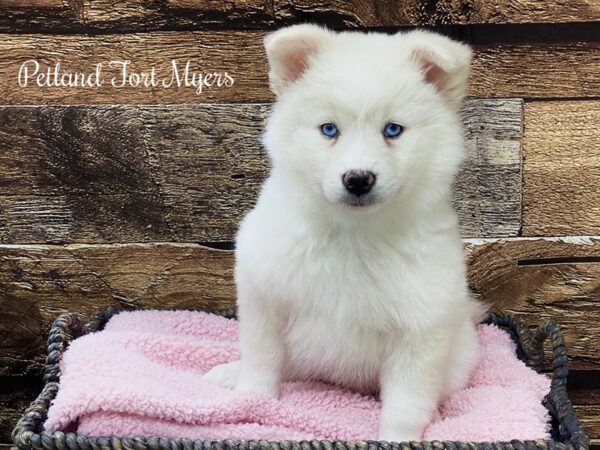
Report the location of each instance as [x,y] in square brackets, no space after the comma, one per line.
[587,407]
[111,174]
[372,13]
[38,15]
[238,54]
[107,15]
[529,70]
[179,14]
[37,283]
[30,3]
[561,171]
[544,278]
[486,191]
[537,278]
[16,393]
[190,173]
[536,70]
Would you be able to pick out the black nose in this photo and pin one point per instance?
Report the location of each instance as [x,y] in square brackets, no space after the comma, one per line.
[358,182]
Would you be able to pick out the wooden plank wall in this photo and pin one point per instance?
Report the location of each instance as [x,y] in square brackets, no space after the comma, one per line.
[130,197]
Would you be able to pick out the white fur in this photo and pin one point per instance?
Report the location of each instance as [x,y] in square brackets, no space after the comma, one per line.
[370,297]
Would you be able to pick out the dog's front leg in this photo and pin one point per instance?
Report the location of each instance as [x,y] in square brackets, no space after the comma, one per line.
[410,386]
[261,346]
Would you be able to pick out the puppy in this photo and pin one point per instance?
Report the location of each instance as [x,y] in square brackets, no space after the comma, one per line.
[350,267]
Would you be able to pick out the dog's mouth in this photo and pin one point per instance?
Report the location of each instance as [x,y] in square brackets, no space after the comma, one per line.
[362,202]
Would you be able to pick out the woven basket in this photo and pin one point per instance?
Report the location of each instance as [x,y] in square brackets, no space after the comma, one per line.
[567,432]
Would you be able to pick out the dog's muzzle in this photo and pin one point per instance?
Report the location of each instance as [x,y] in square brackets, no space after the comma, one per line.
[358,182]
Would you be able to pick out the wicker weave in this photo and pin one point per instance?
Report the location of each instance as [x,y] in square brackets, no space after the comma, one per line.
[567,432]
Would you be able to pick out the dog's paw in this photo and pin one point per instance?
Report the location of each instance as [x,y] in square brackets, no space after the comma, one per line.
[399,433]
[392,436]
[267,389]
[225,375]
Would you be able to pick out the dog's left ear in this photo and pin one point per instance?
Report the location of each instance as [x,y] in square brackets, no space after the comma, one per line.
[289,51]
[445,63]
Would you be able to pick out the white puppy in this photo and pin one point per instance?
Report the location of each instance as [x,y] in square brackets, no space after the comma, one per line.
[350,267]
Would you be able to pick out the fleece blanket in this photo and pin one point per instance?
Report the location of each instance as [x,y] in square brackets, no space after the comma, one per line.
[141,375]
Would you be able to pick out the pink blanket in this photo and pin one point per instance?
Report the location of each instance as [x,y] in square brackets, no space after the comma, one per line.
[142,376]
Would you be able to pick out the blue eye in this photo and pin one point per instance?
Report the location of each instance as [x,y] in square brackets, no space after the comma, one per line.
[392,130]
[329,130]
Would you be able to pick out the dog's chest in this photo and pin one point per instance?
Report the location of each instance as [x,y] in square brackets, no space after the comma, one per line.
[321,347]
[345,299]
[343,304]
[347,282]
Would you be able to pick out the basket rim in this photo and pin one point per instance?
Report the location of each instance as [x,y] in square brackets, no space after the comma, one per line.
[29,435]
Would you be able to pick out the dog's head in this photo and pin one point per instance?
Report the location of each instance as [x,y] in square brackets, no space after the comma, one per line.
[362,120]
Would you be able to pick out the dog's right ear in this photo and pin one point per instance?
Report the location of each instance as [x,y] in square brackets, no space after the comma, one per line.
[289,51]
[444,62]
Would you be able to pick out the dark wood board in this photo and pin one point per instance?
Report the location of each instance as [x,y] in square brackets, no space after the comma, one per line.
[137,15]
[529,69]
[189,173]
[538,279]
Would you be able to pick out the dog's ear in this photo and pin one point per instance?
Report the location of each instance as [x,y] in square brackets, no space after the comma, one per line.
[289,51]
[444,63]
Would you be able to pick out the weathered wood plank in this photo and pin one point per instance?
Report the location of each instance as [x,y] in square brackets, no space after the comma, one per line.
[537,278]
[487,189]
[541,70]
[107,15]
[561,173]
[18,16]
[30,3]
[238,54]
[372,13]
[179,14]
[587,407]
[16,393]
[32,15]
[544,278]
[37,283]
[584,392]
[189,173]
[530,71]
[129,173]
